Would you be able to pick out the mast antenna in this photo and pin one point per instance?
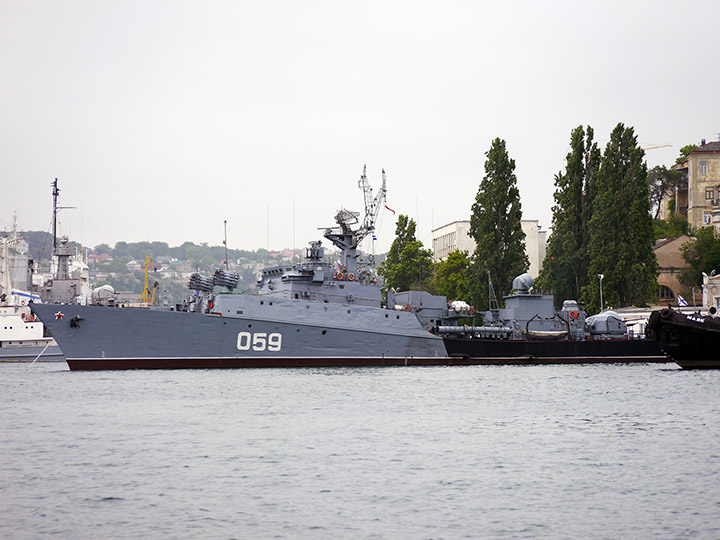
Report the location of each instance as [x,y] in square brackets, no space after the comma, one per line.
[56,209]
[491,295]
[225,244]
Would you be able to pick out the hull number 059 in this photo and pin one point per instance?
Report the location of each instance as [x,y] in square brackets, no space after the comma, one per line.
[259,341]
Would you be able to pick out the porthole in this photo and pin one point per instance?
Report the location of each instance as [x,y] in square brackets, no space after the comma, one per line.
[324,332]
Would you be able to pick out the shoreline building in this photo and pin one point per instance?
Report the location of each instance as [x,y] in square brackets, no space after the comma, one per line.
[670,264]
[456,236]
[697,196]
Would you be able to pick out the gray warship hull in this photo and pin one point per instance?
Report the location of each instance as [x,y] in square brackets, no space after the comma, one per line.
[271,333]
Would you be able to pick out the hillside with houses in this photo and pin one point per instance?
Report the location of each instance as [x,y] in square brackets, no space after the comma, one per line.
[123,266]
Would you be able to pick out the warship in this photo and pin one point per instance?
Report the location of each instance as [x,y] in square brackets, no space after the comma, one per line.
[692,341]
[319,313]
[529,330]
[313,313]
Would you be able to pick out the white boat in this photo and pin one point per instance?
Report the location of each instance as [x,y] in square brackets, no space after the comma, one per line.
[22,336]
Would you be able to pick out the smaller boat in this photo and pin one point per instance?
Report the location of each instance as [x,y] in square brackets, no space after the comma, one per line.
[22,337]
[530,330]
[691,341]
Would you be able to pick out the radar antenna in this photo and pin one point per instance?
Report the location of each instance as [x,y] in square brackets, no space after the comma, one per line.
[345,218]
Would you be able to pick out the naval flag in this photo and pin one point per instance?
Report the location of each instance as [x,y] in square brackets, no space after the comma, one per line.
[681,301]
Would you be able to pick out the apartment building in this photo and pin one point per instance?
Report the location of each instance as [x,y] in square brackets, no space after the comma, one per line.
[698,196]
[456,236]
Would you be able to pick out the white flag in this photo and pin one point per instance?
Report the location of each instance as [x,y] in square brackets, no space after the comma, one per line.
[681,301]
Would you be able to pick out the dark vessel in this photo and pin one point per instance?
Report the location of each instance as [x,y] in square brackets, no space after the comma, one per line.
[692,341]
[529,329]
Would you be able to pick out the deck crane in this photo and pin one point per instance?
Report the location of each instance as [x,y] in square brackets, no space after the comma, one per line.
[145,297]
[654,146]
[346,239]
[372,205]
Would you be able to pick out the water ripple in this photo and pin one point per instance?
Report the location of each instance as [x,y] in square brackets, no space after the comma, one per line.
[379,453]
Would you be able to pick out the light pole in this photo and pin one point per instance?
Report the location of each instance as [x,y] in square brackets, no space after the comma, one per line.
[601,276]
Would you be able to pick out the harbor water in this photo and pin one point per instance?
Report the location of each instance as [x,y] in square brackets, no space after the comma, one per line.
[584,451]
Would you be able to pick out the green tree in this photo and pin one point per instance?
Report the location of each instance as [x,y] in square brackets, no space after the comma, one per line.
[621,228]
[103,248]
[159,249]
[118,265]
[495,226]
[685,151]
[702,255]
[451,276]
[408,265]
[121,250]
[566,262]
[660,181]
[675,225]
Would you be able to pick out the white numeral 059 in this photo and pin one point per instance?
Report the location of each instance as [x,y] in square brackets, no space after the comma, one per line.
[259,341]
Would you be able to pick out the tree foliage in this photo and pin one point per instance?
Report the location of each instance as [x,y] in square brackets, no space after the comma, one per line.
[495,225]
[685,151]
[566,262]
[451,276]
[660,181]
[102,248]
[408,265]
[622,236]
[702,255]
[675,225]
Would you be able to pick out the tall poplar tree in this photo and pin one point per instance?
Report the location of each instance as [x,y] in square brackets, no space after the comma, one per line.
[621,228]
[565,268]
[495,226]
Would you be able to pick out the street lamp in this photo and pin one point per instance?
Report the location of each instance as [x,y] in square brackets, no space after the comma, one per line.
[601,276]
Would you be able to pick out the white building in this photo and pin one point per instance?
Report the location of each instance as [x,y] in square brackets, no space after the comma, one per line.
[711,291]
[456,236]
[451,237]
[535,245]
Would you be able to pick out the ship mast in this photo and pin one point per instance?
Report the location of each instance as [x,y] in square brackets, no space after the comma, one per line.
[346,239]
[56,192]
[56,209]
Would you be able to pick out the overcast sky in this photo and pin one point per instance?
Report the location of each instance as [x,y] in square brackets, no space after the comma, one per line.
[163,119]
